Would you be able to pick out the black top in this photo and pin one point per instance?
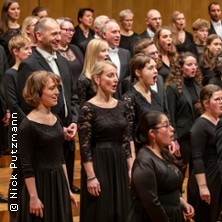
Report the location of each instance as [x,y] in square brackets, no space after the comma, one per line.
[75,58]
[136,105]
[97,124]
[4,39]
[183,47]
[79,36]
[216,80]
[84,89]
[11,91]
[155,185]
[164,71]
[40,145]
[127,42]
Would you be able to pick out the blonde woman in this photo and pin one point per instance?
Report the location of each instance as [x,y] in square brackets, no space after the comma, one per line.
[97,50]
[181,37]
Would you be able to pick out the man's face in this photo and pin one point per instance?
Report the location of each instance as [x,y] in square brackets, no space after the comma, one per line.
[153,20]
[112,34]
[215,12]
[49,39]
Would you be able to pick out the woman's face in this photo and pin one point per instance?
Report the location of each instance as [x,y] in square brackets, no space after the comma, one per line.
[165,40]
[30,28]
[108,81]
[164,132]
[180,22]
[214,105]
[87,19]
[14,11]
[148,75]
[49,94]
[215,46]
[103,52]
[24,52]
[189,67]
[127,23]
[67,32]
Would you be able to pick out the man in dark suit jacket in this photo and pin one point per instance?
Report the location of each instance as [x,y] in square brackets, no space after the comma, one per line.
[214,11]
[110,32]
[44,57]
[153,22]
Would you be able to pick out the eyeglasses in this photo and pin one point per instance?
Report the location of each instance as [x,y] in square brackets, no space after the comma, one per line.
[218,100]
[166,126]
[68,30]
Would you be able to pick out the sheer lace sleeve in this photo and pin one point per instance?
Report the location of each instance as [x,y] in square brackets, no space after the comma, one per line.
[85,133]
[130,114]
[81,89]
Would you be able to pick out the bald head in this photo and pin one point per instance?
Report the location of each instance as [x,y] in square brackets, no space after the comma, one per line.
[153,20]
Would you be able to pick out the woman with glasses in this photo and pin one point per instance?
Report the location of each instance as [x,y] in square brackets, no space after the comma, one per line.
[156,178]
[71,52]
[182,89]
[205,190]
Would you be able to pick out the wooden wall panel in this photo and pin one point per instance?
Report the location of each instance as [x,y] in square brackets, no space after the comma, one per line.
[192,9]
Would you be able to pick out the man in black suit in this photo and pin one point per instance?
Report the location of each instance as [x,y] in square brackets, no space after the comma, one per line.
[44,57]
[214,11]
[153,22]
[110,32]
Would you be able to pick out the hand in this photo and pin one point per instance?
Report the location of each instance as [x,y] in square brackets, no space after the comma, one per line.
[73,200]
[93,187]
[174,148]
[188,210]
[36,206]
[6,119]
[204,193]
[70,131]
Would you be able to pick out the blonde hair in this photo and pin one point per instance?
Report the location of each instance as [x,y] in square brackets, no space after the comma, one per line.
[124,13]
[173,27]
[98,69]
[27,23]
[92,51]
[17,42]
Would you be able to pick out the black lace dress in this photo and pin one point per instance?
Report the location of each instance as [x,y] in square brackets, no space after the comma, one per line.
[41,153]
[104,142]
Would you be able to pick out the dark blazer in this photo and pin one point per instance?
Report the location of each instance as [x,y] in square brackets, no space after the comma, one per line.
[144,35]
[124,57]
[37,62]
[181,110]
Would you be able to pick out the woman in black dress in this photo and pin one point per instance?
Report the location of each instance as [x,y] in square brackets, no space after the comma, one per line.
[45,196]
[71,52]
[168,54]
[140,97]
[182,89]
[128,36]
[181,38]
[9,26]
[213,45]
[156,180]
[205,178]
[105,151]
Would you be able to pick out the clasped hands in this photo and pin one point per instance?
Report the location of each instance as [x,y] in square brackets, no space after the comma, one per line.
[70,131]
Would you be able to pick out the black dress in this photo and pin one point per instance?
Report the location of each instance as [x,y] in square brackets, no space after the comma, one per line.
[41,151]
[104,142]
[155,185]
[204,156]
[84,89]
[136,104]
